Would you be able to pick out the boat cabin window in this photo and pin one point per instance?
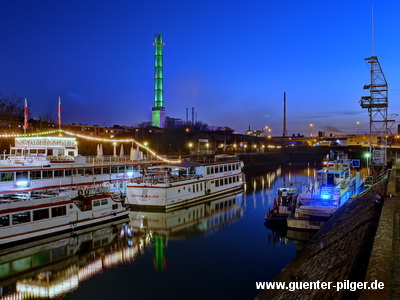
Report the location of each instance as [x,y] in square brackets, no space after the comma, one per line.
[68,172]
[221,169]
[104,201]
[96,203]
[89,171]
[216,169]
[4,220]
[114,170]
[21,175]
[22,217]
[225,168]
[80,172]
[41,152]
[58,211]
[58,173]
[50,152]
[216,183]
[35,175]
[47,174]
[229,167]
[97,171]
[40,214]
[121,169]
[7,176]
[208,170]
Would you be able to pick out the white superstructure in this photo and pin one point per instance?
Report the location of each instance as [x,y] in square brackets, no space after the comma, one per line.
[183,183]
[44,163]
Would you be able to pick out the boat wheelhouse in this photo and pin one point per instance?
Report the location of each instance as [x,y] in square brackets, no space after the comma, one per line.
[169,186]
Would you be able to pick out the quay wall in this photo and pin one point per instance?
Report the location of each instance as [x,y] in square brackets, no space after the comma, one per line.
[339,251]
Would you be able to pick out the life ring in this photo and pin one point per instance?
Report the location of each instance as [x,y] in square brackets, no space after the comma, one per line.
[87,192]
[155,181]
[80,192]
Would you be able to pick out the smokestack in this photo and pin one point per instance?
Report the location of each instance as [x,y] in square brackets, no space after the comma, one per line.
[192,116]
[284,114]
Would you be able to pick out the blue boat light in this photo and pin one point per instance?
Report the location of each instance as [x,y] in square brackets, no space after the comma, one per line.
[325,197]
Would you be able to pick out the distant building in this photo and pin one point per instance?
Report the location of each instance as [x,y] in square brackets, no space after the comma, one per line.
[92,130]
[258,133]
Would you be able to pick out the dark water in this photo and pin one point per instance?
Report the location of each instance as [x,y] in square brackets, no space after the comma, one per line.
[216,250]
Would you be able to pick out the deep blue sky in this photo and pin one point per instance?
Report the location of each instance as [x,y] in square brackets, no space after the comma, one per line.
[231,60]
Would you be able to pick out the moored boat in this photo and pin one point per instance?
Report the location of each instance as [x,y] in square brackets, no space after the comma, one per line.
[24,218]
[168,186]
[333,186]
[284,205]
[53,163]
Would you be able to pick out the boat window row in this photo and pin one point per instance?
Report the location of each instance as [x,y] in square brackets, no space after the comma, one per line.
[35,215]
[198,187]
[222,168]
[46,174]
[226,180]
[100,202]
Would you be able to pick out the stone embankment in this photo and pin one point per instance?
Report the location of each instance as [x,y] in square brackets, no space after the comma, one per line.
[347,248]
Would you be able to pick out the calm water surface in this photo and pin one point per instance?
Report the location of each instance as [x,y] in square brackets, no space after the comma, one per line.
[216,250]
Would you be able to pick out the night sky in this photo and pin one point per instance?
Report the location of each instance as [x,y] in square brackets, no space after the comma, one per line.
[231,60]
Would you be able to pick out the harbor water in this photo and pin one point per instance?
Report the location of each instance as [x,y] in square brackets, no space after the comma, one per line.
[213,250]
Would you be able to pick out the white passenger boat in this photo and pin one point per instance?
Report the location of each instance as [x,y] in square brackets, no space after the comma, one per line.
[334,185]
[24,218]
[169,186]
[44,163]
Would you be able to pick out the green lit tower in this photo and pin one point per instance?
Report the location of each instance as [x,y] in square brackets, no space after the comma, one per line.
[158,110]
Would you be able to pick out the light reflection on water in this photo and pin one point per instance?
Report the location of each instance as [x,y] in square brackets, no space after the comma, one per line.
[214,250]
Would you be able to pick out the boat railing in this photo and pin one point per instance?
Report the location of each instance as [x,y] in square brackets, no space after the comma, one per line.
[164,179]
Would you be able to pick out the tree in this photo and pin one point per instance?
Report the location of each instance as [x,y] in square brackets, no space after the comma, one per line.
[11,111]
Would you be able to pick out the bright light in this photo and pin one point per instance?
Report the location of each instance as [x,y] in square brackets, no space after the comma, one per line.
[129,173]
[367,155]
[325,197]
[21,183]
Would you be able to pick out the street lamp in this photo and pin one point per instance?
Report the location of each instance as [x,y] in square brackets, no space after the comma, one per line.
[367,155]
[311,126]
[358,126]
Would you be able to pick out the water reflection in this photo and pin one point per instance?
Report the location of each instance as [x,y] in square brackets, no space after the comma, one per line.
[49,268]
[159,228]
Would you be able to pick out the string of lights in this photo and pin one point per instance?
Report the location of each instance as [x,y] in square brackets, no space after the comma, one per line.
[90,138]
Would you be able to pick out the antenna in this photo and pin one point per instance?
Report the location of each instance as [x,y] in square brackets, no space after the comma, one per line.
[372,30]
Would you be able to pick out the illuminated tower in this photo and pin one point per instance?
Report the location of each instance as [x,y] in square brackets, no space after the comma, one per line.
[158,110]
